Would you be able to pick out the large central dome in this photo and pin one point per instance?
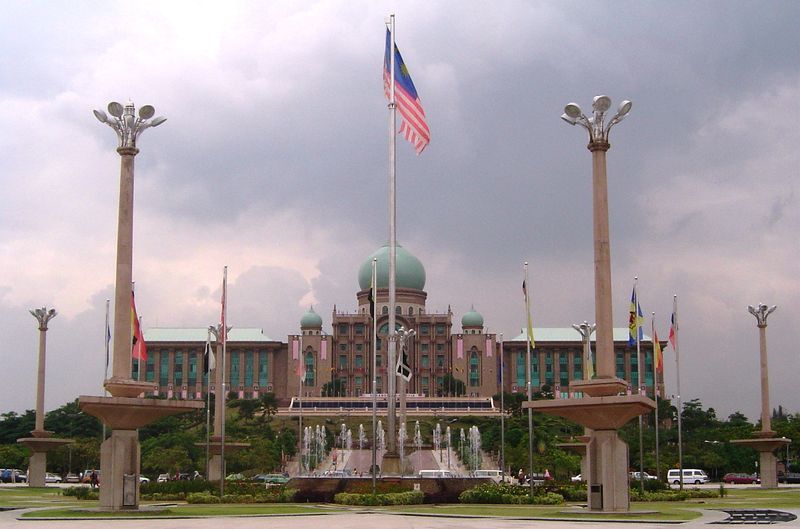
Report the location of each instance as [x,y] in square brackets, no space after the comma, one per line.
[410,273]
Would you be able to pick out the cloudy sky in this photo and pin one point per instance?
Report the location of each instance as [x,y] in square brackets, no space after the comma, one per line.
[274,162]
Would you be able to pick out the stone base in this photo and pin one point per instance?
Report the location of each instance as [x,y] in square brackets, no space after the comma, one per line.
[125,413]
[214,470]
[119,454]
[597,413]
[391,466]
[768,463]
[123,387]
[599,387]
[119,460]
[607,462]
[40,445]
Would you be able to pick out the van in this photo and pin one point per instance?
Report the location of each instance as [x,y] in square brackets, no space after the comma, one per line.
[495,475]
[435,474]
[693,476]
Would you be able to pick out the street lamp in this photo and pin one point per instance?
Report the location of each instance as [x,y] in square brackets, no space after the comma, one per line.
[128,127]
[598,144]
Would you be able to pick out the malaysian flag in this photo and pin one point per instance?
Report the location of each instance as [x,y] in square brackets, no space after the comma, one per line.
[413,125]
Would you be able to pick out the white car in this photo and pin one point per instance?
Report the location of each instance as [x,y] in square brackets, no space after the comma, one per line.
[143,479]
[52,478]
[645,475]
[576,479]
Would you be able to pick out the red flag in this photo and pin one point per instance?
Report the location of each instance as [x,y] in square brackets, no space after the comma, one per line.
[224,329]
[139,348]
[672,329]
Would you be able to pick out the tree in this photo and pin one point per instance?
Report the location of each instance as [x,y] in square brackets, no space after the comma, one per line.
[451,387]
[334,388]
[71,422]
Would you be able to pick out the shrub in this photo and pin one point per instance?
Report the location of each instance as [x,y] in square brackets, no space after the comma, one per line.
[411,497]
[201,497]
[510,494]
[81,493]
[672,495]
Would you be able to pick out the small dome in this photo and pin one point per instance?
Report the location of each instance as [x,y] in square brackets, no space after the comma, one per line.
[311,320]
[410,273]
[472,319]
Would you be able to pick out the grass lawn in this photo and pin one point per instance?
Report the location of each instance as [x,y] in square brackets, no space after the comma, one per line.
[182,510]
[64,506]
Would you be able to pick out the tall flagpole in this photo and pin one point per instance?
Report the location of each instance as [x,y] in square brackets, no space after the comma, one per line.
[107,339]
[301,359]
[374,287]
[528,378]
[641,390]
[678,375]
[392,337]
[655,385]
[502,417]
[208,404]
[224,393]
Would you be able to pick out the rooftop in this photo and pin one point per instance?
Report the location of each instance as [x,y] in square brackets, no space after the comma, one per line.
[200,334]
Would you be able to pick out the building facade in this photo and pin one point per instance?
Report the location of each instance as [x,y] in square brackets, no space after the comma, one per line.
[316,363]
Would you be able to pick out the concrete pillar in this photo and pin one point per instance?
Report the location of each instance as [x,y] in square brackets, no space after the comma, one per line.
[607,462]
[215,468]
[121,364]
[119,457]
[36,469]
[768,469]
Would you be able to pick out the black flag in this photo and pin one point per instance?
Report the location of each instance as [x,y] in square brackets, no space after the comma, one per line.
[403,370]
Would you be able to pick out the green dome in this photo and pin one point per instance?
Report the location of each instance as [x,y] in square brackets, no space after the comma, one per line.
[410,273]
[311,320]
[472,319]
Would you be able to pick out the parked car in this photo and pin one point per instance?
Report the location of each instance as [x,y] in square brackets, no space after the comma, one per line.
[52,478]
[13,475]
[271,479]
[576,479]
[235,477]
[144,479]
[789,477]
[690,476]
[162,478]
[72,478]
[86,476]
[740,478]
[635,476]
[494,475]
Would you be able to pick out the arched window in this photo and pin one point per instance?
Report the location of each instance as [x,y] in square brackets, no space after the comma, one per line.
[309,368]
[385,309]
[474,368]
[410,311]
[398,309]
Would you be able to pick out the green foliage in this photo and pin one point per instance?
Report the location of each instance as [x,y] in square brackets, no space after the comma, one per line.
[182,486]
[410,497]
[70,422]
[13,456]
[202,497]
[509,494]
[334,388]
[81,493]
[672,495]
[451,387]
[14,426]
[269,495]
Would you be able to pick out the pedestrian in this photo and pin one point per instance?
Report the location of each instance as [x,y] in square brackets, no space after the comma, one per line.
[93,479]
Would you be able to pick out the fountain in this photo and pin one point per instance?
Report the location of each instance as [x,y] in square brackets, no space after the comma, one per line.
[402,435]
[437,440]
[447,436]
[362,437]
[417,442]
[462,441]
[381,438]
[349,439]
[474,455]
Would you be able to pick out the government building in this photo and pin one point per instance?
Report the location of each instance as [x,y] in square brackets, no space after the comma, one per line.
[336,361]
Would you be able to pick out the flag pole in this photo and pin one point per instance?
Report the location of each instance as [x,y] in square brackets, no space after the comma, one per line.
[207,358]
[502,417]
[300,396]
[655,386]
[392,337]
[224,393]
[528,378]
[139,361]
[374,287]
[107,339]
[678,374]
[639,380]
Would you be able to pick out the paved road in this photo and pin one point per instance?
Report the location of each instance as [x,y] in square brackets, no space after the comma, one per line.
[349,521]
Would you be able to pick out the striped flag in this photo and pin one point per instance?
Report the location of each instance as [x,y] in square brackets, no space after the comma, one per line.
[414,126]
[673,330]
[139,350]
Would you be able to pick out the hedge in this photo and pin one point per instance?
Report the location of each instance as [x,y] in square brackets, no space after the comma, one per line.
[509,494]
[411,497]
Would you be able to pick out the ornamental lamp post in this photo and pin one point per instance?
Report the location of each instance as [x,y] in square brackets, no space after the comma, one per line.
[128,127]
[603,408]
[598,145]
[765,442]
[41,441]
